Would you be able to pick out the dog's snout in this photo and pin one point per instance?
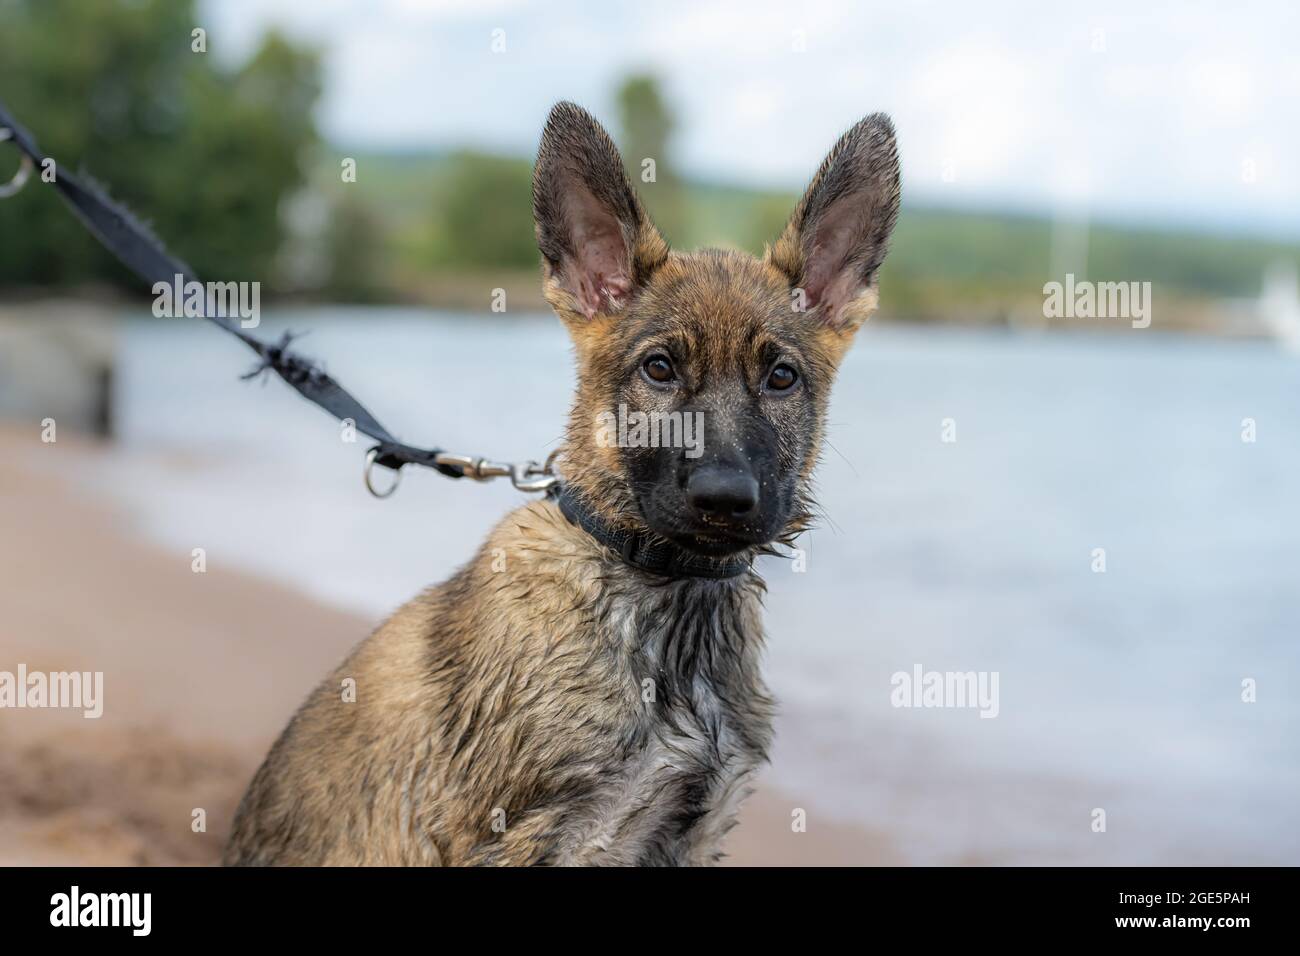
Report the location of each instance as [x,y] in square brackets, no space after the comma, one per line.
[722,493]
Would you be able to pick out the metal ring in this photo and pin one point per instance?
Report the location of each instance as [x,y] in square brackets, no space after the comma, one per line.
[370,487]
[24,169]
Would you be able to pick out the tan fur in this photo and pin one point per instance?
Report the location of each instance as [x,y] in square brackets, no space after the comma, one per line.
[387,780]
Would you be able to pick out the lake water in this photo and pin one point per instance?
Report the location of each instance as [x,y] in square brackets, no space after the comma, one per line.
[1119,690]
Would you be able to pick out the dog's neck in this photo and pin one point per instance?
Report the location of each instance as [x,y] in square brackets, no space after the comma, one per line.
[546,553]
[647,619]
[611,516]
[643,550]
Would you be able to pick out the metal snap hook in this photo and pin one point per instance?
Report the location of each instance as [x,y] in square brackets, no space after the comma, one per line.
[24,169]
[370,486]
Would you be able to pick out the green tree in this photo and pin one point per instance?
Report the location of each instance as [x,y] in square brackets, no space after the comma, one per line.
[484,213]
[354,253]
[207,155]
[646,125]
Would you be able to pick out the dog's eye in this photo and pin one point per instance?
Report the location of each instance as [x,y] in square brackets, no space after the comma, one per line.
[781,378]
[659,369]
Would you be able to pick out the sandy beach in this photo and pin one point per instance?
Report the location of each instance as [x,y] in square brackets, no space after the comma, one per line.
[201,671]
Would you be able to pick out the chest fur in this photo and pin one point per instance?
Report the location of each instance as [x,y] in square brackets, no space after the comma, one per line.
[693,729]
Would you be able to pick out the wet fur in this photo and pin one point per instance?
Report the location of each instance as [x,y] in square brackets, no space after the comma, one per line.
[521,692]
[550,704]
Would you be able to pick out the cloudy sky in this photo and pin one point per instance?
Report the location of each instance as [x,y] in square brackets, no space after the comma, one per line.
[1175,113]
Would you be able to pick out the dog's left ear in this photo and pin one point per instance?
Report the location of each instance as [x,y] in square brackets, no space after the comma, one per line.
[598,244]
[837,237]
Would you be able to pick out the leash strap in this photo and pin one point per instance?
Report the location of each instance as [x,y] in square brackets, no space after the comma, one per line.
[643,550]
[143,253]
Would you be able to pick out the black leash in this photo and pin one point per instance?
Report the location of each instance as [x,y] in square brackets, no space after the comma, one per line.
[143,253]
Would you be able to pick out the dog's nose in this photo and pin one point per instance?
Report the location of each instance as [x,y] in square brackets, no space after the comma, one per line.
[721,493]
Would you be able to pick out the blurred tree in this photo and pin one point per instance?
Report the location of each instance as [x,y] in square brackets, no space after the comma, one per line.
[354,253]
[647,128]
[484,213]
[205,154]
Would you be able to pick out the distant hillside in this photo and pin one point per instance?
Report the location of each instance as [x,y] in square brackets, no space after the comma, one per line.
[466,213]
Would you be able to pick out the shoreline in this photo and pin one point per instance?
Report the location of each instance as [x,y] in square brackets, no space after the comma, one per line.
[201,672]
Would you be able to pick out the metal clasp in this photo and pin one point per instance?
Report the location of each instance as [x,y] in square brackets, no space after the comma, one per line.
[479,469]
[529,476]
[524,475]
[24,169]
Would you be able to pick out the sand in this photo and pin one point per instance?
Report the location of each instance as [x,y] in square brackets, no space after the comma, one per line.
[201,671]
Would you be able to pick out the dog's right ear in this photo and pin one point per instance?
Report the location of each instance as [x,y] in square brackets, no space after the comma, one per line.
[598,244]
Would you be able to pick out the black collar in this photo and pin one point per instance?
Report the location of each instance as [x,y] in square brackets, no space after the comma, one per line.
[643,550]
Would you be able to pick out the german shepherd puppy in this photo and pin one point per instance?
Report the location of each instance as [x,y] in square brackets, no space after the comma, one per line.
[586,690]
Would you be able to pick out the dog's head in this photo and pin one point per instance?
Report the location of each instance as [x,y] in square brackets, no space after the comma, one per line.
[704,377]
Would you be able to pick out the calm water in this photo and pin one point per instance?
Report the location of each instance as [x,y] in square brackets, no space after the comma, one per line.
[1119,690]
